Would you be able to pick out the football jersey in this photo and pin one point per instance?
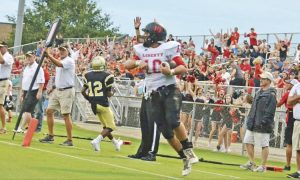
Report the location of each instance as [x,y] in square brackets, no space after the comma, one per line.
[98,83]
[154,57]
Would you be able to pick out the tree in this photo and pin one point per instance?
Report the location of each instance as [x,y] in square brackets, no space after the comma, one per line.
[80,18]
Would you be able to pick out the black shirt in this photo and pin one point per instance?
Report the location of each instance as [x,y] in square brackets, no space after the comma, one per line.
[283,54]
[99,83]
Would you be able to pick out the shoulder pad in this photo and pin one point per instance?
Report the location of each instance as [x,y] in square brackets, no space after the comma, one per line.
[86,72]
[138,47]
[170,45]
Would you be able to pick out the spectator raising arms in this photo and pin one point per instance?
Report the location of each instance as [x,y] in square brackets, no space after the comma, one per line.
[252,36]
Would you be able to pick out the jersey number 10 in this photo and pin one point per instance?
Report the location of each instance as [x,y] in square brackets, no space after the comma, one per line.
[153,65]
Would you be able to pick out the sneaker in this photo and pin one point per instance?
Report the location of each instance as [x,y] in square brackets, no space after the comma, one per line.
[293,175]
[287,168]
[67,143]
[218,149]
[149,157]
[223,150]
[47,139]
[191,155]
[95,144]
[187,167]
[249,166]
[118,144]
[260,169]
[135,156]
[2,131]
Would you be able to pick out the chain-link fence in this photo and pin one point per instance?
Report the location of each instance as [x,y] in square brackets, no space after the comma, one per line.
[203,120]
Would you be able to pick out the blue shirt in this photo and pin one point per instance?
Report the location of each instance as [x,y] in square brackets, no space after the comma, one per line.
[280,64]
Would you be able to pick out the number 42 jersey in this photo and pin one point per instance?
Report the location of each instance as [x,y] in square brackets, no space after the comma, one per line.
[98,83]
[154,57]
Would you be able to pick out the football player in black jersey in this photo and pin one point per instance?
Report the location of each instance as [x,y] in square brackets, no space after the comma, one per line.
[97,89]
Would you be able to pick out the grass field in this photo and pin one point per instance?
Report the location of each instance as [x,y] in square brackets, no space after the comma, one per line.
[52,161]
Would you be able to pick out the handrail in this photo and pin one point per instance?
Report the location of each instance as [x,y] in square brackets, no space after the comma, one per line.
[24,45]
[258,34]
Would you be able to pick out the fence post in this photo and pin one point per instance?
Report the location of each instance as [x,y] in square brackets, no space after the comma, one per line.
[193,123]
[203,41]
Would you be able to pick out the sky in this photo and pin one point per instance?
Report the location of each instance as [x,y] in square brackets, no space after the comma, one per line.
[195,17]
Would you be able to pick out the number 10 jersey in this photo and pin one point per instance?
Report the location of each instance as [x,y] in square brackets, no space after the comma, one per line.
[154,57]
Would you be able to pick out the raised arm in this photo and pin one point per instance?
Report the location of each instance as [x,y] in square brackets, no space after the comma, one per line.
[212,33]
[137,24]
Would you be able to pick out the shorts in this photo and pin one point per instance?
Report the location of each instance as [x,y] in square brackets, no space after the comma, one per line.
[165,108]
[256,138]
[31,101]
[296,136]
[106,117]
[199,112]
[186,107]
[288,133]
[216,116]
[3,91]
[62,100]
[228,123]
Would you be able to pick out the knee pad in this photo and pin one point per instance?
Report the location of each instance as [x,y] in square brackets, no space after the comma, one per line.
[175,124]
[109,129]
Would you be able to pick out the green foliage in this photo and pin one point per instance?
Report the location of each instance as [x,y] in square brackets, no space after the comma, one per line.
[80,18]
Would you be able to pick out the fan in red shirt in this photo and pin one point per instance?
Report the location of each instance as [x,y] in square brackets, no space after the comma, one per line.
[288,85]
[202,66]
[46,75]
[289,120]
[235,36]
[249,81]
[216,116]
[214,51]
[258,71]
[245,66]
[252,36]
[226,53]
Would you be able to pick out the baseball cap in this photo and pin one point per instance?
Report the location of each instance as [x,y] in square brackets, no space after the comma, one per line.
[30,53]
[2,43]
[267,75]
[292,81]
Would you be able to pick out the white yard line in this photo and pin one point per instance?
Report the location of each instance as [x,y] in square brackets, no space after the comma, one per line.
[217,174]
[149,162]
[93,161]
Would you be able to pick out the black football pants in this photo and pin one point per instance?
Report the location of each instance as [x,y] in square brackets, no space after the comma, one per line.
[150,132]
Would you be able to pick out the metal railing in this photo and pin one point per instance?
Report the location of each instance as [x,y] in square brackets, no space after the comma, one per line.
[270,38]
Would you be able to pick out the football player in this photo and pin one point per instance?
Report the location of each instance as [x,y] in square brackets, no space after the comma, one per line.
[155,57]
[97,89]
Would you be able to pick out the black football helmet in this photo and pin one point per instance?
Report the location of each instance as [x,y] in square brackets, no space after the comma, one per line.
[156,33]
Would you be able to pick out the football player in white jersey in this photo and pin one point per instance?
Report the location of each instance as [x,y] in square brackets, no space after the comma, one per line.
[155,57]
[150,133]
